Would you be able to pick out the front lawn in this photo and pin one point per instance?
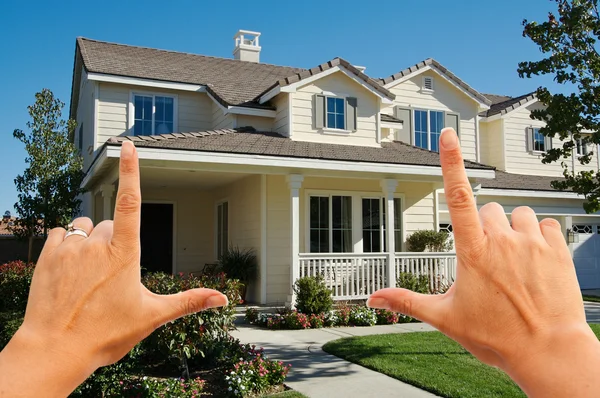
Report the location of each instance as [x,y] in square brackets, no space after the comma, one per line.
[595,299]
[430,361]
[287,394]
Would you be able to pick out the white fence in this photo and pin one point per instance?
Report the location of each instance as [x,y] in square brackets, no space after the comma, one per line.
[439,267]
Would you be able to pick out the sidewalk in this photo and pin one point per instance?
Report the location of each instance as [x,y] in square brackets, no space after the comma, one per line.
[318,374]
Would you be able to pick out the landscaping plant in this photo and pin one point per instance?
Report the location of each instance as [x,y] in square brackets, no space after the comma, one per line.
[239,264]
[429,240]
[312,295]
[362,316]
[410,281]
[15,278]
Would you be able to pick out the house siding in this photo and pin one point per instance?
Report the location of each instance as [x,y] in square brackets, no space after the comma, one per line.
[258,122]
[85,116]
[492,145]
[221,120]
[445,97]
[343,86]
[278,240]
[281,123]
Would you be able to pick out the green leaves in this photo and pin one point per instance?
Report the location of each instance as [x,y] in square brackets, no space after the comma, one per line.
[50,185]
[569,41]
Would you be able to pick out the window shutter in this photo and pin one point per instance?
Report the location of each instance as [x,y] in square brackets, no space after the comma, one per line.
[319,111]
[452,120]
[351,109]
[529,139]
[405,114]
[547,143]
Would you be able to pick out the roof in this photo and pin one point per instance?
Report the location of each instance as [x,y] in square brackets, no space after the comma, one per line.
[502,104]
[430,62]
[250,142]
[232,82]
[372,83]
[390,119]
[524,182]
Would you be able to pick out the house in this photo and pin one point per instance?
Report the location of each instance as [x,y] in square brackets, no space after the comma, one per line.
[308,167]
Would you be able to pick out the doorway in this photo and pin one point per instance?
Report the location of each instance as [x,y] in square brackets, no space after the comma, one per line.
[156,236]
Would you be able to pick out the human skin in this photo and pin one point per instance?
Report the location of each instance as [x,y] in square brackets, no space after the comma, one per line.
[516,303]
[87,307]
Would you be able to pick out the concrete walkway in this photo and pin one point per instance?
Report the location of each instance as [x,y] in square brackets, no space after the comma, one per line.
[592,312]
[318,374]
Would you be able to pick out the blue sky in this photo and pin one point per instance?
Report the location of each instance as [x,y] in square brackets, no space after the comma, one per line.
[480,41]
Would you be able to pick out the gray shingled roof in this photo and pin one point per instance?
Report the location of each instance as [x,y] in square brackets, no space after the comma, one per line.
[502,104]
[250,142]
[390,119]
[504,180]
[441,68]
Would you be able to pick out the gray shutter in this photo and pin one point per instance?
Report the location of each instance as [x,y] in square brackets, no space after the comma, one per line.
[529,139]
[319,111]
[405,114]
[547,143]
[453,120]
[351,109]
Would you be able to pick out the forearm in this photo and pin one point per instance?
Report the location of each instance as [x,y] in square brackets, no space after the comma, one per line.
[32,368]
[566,366]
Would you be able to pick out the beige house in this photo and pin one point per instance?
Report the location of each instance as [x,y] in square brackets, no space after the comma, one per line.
[308,167]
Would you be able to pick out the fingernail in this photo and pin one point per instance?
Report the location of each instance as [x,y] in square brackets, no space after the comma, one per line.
[449,139]
[218,300]
[127,150]
[377,302]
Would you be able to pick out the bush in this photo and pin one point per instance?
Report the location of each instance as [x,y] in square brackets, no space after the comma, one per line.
[255,375]
[296,320]
[428,240]
[312,295]
[317,321]
[238,264]
[150,387]
[362,316]
[10,322]
[343,316]
[15,279]
[251,315]
[418,284]
[386,317]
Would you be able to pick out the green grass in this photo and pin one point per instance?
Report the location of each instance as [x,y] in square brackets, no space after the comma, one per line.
[430,361]
[591,298]
[287,394]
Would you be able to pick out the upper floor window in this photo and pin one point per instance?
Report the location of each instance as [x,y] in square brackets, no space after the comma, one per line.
[536,141]
[580,147]
[428,127]
[336,114]
[333,113]
[539,141]
[153,114]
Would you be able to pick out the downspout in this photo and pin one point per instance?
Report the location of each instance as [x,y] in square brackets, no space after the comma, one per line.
[477,154]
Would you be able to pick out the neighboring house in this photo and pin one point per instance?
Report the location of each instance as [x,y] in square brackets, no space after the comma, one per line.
[306,166]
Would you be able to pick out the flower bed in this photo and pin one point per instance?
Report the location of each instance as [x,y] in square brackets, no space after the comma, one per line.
[346,315]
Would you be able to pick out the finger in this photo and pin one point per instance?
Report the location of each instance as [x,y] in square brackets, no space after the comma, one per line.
[167,308]
[56,236]
[82,223]
[523,219]
[126,227]
[427,308]
[552,233]
[103,231]
[493,217]
[457,189]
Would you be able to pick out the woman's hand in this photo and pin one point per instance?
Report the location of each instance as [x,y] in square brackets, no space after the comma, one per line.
[516,303]
[87,306]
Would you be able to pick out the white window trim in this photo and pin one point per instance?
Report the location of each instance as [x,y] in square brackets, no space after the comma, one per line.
[425,90]
[533,151]
[582,144]
[331,130]
[153,94]
[414,124]
[216,229]
[357,197]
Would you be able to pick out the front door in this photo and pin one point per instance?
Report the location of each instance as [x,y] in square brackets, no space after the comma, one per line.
[157,237]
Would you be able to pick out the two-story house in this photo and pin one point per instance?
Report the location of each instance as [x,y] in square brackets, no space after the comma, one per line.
[308,167]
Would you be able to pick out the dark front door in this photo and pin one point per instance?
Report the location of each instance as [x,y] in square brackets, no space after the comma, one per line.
[157,237]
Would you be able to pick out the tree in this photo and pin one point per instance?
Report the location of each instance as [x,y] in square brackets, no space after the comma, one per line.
[50,185]
[569,43]
[7,214]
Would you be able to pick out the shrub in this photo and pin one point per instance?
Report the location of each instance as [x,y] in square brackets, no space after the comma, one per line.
[255,375]
[312,295]
[251,315]
[10,322]
[275,321]
[386,317]
[330,318]
[238,264]
[419,284]
[428,240]
[151,387]
[296,320]
[343,315]
[15,279]
[317,321]
[362,316]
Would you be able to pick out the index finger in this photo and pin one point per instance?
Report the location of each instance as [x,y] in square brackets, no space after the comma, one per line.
[126,224]
[466,225]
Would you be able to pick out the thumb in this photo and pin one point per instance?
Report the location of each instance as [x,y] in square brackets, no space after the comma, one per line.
[167,308]
[424,307]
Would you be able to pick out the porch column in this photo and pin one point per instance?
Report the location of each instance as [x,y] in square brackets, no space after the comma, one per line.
[295,183]
[389,187]
[107,191]
[568,225]
[475,188]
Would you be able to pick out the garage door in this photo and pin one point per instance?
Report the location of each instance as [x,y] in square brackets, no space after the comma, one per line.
[586,255]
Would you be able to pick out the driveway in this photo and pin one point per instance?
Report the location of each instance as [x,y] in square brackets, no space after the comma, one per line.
[592,312]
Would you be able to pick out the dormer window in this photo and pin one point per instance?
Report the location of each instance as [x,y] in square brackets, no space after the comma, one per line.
[336,114]
[580,147]
[427,84]
[537,143]
[153,114]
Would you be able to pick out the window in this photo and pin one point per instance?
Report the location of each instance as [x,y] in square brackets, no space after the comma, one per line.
[222,228]
[428,128]
[153,114]
[375,225]
[582,228]
[539,141]
[336,116]
[446,227]
[580,147]
[331,224]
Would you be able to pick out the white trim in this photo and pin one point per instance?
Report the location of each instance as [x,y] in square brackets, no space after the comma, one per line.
[153,94]
[290,114]
[504,115]
[436,208]
[391,125]
[529,194]
[224,109]
[136,81]
[503,132]
[404,78]
[95,117]
[377,124]
[263,238]
[96,165]
[291,88]
[477,140]
[174,203]
[242,110]
[300,163]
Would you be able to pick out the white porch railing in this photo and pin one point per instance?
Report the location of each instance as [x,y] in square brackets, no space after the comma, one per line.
[358,275]
[348,275]
[440,267]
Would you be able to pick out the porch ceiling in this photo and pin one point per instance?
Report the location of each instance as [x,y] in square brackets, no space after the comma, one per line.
[190,179]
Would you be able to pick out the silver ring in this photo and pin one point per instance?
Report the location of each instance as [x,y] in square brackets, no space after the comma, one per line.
[72,230]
